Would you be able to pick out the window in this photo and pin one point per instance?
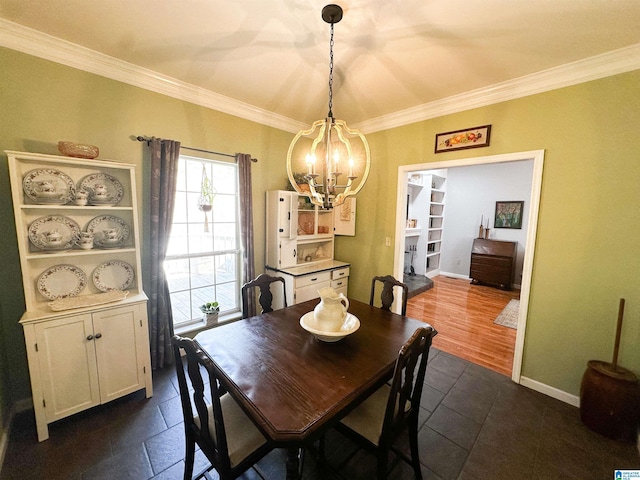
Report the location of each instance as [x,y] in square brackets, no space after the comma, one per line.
[203,260]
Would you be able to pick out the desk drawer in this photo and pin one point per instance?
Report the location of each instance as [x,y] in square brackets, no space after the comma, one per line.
[339,273]
[309,292]
[342,283]
[313,279]
[505,262]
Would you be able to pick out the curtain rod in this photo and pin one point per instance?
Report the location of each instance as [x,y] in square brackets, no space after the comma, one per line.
[140,138]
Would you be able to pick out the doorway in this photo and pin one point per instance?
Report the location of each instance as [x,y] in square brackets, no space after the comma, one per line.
[537,156]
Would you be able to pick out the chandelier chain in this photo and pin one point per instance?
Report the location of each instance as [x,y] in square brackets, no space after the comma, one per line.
[331,73]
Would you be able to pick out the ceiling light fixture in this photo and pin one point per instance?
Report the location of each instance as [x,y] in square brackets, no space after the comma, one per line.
[333,144]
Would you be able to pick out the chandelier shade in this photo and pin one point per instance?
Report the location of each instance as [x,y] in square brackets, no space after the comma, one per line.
[329,161]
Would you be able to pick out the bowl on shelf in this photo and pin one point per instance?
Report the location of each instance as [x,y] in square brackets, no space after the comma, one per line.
[78,150]
[350,325]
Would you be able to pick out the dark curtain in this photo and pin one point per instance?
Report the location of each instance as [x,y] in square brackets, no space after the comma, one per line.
[164,168]
[246,222]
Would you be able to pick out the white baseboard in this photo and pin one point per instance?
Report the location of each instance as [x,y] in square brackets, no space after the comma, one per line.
[550,391]
[455,275]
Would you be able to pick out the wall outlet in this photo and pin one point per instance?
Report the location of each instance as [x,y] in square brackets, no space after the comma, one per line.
[387,241]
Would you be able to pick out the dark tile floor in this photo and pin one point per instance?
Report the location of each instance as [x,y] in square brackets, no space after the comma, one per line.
[417,284]
[475,425]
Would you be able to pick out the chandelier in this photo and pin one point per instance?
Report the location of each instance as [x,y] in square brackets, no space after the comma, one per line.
[333,159]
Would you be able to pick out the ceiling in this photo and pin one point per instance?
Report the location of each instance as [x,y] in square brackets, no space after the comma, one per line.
[390,55]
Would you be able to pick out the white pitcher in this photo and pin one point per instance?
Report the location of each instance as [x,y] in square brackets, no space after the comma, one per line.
[330,313]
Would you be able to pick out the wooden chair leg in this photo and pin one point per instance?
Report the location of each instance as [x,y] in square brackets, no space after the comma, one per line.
[383,455]
[301,452]
[415,456]
[189,458]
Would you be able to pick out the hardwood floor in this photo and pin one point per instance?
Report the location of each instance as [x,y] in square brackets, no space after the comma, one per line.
[463,315]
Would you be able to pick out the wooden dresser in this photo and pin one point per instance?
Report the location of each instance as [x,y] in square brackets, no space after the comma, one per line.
[493,262]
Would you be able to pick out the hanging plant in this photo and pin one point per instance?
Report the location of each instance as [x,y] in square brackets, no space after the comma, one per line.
[207,194]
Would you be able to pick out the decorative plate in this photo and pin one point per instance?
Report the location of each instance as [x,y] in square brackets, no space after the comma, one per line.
[113,275]
[103,189]
[53,232]
[349,326]
[61,281]
[102,223]
[48,186]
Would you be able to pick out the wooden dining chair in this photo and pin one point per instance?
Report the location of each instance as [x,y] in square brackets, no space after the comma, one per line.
[388,283]
[263,282]
[227,437]
[378,421]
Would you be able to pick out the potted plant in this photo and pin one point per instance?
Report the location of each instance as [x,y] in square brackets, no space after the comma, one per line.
[301,181]
[210,312]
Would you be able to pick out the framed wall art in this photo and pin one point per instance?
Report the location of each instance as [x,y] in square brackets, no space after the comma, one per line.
[508,215]
[460,139]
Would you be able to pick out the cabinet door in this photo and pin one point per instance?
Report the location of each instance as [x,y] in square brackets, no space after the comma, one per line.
[118,352]
[67,363]
[288,215]
[288,253]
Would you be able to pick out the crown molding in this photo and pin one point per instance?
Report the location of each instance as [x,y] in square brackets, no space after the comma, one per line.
[33,42]
[605,65]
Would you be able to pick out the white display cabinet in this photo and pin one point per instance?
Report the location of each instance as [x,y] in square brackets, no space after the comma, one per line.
[300,246]
[85,324]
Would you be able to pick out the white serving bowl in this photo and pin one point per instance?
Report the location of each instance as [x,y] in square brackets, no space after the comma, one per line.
[349,326]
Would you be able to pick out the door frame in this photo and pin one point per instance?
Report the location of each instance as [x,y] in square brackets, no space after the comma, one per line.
[532,225]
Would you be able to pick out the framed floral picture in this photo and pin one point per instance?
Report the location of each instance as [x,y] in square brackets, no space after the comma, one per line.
[460,139]
[508,215]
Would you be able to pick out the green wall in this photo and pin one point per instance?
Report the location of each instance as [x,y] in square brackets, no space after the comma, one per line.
[589,227]
[44,102]
[589,224]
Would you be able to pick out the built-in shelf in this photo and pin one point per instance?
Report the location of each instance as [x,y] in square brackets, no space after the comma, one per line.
[425,207]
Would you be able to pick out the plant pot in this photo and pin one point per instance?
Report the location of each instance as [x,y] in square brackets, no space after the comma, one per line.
[210,319]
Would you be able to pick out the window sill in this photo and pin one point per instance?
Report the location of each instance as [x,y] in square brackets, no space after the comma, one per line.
[194,328]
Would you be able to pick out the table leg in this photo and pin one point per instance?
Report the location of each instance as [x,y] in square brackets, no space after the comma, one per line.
[294,463]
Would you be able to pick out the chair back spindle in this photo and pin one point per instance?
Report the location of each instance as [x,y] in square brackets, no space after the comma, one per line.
[387,297]
[262,282]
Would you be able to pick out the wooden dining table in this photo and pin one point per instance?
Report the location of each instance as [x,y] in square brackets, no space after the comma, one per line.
[293,386]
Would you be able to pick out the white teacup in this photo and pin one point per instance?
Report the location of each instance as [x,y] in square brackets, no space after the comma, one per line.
[85,245]
[52,238]
[100,191]
[46,189]
[82,197]
[111,235]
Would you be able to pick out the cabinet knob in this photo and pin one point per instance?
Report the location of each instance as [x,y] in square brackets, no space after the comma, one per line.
[98,335]
[90,337]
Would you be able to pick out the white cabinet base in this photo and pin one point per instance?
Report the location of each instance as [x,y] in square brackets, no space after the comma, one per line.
[303,283]
[78,361]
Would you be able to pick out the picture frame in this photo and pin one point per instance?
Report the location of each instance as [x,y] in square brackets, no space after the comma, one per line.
[508,214]
[475,137]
